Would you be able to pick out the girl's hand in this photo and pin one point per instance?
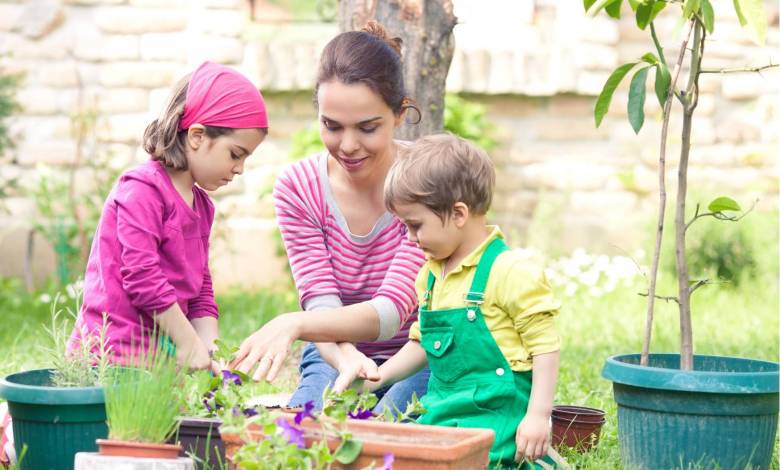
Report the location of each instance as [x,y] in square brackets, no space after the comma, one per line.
[353,365]
[195,355]
[532,437]
[267,348]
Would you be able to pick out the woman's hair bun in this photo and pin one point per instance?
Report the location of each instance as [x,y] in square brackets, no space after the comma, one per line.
[375,28]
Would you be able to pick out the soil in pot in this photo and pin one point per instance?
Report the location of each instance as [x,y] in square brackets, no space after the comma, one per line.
[577,427]
[114,448]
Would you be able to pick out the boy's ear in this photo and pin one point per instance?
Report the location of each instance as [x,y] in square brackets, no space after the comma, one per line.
[195,135]
[460,214]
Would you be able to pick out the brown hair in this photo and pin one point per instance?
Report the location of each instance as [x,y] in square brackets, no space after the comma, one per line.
[439,170]
[162,138]
[369,56]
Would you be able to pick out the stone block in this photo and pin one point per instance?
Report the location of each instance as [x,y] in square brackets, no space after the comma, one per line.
[595,57]
[140,74]
[166,46]
[564,129]
[122,100]
[222,22]
[94,461]
[129,20]
[566,176]
[220,49]
[159,3]
[94,2]
[47,101]
[55,46]
[42,128]
[226,4]
[52,152]
[741,86]
[41,17]
[738,130]
[245,255]
[53,74]
[108,47]
[123,128]
[9,16]
[601,30]
[14,240]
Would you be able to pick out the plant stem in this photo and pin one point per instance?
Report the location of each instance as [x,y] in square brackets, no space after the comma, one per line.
[662,197]
[684,290]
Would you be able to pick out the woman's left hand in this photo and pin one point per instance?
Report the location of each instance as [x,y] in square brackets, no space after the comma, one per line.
[267,348]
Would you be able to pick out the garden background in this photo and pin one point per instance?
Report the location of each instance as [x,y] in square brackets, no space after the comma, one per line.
[88,76]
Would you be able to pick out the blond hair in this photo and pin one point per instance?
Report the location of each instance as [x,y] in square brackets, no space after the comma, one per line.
[439,170]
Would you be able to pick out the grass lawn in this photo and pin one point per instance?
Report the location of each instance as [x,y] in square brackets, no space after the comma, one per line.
[727,321]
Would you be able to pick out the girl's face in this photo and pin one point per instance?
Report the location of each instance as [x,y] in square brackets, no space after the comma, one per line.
[436,238]
[356,126]
[213,162]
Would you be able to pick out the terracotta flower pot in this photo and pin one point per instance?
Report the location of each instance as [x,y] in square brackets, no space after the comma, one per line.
[115,448]
[414,446]
[577,427]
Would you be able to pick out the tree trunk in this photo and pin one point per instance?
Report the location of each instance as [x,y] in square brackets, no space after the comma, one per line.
[428,44]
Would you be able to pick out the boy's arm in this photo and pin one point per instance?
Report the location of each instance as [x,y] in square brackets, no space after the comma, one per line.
[533,432]
[406,362]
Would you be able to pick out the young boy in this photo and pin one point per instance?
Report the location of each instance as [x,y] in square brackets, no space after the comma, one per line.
[486,323]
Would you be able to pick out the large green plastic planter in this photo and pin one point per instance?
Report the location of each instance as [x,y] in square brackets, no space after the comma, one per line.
[723,414]
[53,422]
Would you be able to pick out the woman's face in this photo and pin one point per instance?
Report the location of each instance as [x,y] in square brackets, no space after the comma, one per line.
[356,126]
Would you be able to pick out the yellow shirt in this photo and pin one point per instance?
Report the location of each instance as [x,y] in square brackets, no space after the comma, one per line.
[519,304]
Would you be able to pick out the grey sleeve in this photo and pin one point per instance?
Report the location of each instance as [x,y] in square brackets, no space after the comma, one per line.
[389,321]
[322,302]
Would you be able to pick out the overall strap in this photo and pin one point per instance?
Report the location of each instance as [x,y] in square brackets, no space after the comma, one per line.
[476,293]
[428,291]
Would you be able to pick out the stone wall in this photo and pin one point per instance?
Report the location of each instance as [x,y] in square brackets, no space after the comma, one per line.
[536,66]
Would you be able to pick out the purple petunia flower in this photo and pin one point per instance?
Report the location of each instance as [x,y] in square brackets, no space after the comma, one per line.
[249,412]
[361,414]
[228,376]
[306,413]
[291,433]
[388,463]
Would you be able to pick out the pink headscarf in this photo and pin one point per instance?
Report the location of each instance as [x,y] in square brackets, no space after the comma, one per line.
[219,96]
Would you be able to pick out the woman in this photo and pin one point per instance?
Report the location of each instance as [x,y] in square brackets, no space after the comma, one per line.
[351,260]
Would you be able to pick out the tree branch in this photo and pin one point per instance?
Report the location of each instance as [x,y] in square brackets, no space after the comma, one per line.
[662,297]
[719,215]
[741,70]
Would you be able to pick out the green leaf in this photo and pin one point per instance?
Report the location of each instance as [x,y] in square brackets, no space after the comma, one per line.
[663,79]
[691,7]
[751,14]
[633,4]
[708,16]
[723,203]
[598,5]
[636,99]
[348,451]
[643,12]
[613,9]
[587,4]
[605,97]
[650,58]
[646,12]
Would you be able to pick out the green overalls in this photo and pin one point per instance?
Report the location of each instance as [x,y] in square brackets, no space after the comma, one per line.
[472,384]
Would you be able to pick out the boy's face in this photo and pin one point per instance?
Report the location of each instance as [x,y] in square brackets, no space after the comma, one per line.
[436,238]
[214,162]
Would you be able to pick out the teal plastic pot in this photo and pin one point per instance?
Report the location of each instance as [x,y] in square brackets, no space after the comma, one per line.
[53,422]
[723,414]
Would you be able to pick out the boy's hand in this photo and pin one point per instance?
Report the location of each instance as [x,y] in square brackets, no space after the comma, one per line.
[532,437]
[353,365]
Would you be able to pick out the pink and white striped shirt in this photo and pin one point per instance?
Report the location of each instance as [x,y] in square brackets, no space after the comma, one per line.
[334,267]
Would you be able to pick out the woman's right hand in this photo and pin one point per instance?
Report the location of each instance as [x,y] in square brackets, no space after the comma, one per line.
[354,365]
[267,347]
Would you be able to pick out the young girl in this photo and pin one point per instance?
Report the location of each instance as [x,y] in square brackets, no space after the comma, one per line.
[148,267]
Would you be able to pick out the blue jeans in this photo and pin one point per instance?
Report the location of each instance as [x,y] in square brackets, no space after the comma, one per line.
[316,374]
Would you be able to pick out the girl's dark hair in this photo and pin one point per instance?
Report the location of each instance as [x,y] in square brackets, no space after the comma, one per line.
[162,138]
[369,56]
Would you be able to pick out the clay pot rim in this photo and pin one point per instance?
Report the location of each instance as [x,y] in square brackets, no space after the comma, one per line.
[112,447]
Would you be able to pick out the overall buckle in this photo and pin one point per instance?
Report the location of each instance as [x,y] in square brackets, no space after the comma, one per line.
[468,298]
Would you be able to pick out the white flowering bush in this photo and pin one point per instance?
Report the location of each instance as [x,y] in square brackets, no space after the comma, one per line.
[596,275]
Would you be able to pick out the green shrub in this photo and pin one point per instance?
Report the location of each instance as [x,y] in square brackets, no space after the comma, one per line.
[467,119]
